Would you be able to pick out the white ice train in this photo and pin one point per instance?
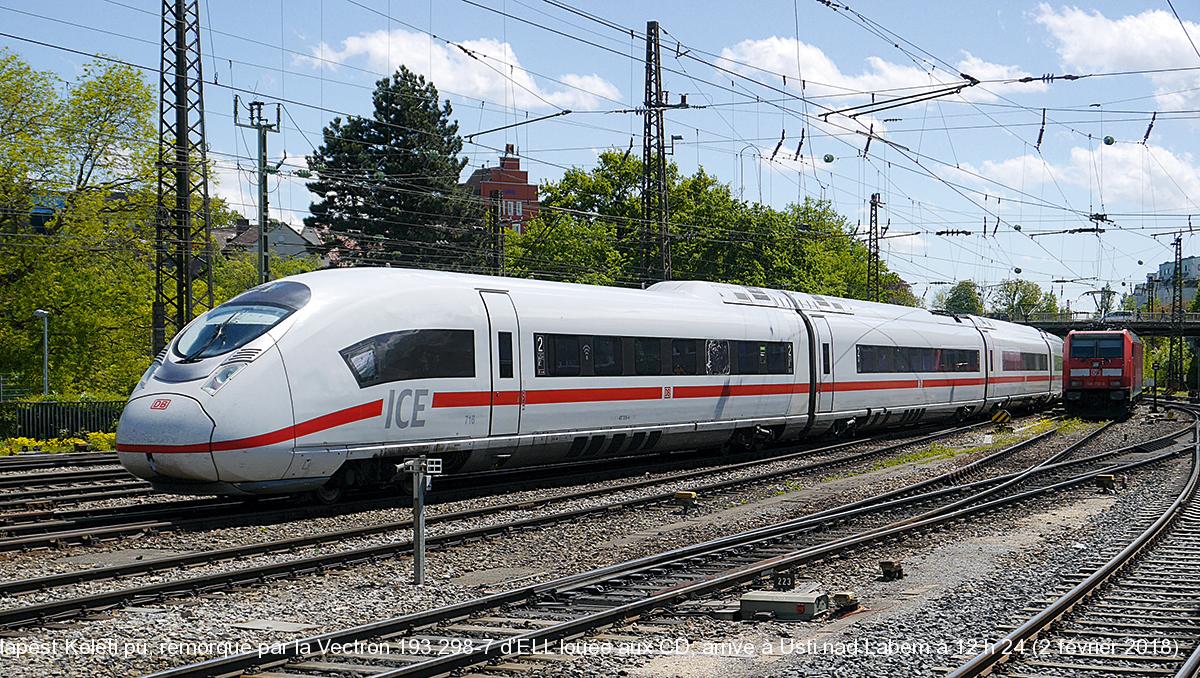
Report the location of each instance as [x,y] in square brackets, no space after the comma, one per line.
[321,381]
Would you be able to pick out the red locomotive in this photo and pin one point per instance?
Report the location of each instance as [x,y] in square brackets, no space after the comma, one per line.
[1103,372]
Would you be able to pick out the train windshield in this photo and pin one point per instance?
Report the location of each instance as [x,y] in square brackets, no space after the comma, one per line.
[241,320]
[1097,346]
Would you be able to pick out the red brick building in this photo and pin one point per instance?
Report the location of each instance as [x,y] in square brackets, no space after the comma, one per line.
[518,197]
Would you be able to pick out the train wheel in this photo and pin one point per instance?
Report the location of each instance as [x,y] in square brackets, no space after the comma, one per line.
[330,493]
[743,440]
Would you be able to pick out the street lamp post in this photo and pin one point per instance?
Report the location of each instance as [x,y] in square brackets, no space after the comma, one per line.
[45,316]
[1154,407]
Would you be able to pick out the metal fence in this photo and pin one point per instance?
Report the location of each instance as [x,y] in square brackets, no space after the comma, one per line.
[57,419]
[1115,317]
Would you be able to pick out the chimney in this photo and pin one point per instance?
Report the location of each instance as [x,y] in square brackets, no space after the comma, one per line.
[509,160]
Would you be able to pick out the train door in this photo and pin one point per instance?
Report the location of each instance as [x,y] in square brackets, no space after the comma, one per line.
[825,354]
[504,348]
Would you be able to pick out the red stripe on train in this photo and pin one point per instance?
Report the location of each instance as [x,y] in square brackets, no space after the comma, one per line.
[304,428]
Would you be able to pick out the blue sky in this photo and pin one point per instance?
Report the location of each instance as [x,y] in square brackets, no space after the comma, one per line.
[951,164]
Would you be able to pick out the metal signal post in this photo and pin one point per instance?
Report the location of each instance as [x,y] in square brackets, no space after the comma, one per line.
[655,208]
[261,126]
[874,285]
[1175,375]
[182,250]
[421,469]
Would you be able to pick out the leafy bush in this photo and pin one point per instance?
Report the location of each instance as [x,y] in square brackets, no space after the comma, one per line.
[89,441]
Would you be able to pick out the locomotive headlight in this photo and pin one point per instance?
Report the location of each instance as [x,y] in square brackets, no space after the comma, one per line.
[147,374]
[221,377]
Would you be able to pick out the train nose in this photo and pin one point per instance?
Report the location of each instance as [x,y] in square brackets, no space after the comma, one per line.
[166,436]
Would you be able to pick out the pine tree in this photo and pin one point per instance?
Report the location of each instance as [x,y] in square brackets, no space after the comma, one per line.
[388,184]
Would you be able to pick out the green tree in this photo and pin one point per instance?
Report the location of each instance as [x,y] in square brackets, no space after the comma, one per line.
[74,237]
[589,229]
[77,185]
[1016,300]
[963,298]
[388,184]
[238,272]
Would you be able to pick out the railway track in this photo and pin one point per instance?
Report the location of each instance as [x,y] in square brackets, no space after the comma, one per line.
[1133,614]
[62,477]
[46,460]
[522,620]
[44,528]
[68,607]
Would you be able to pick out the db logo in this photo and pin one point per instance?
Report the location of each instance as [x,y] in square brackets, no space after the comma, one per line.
[160,404]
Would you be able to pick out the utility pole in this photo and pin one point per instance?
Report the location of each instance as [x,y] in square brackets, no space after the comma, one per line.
[182,243]
[1175,376]
[497,232]
[655,208]
[261,126]
[45,316]
[874,284]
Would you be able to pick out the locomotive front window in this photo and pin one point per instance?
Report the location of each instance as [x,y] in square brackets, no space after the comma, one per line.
[1097,346]
[226,328]
[1109,348]
[241,320]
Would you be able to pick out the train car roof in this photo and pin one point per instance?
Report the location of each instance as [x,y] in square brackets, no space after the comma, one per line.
[352,281]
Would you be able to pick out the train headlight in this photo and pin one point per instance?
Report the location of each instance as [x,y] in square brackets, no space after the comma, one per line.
[1076,383]
[221,377]
[147,374]
[1114,382]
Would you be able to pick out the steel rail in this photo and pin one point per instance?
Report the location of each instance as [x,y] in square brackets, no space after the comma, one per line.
[275,656]
[28,462]
[999,652]
[1190,668]
[148,521]
[57,609]
[62,477]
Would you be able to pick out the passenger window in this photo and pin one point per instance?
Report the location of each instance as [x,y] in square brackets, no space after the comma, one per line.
[566,355]
[779,357]
[684,354]
[716,356]
[607,356]
[411,354]
[750,357]
[895,359]
[647,356]
[505,351]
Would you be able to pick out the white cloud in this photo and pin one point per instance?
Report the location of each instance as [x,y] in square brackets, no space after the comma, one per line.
[1091,42]
[454,70]
[823,77]
[909,245]
[1133,174]
[228,184]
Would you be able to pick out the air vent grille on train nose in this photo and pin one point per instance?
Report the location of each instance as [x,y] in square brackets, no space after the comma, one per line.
[244,355]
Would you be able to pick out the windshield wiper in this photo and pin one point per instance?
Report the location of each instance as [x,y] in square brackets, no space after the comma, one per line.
[216,335]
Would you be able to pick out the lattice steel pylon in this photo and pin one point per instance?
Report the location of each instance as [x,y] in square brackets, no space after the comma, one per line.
[1175,375]
[874,283]
[655,208]
[182,241]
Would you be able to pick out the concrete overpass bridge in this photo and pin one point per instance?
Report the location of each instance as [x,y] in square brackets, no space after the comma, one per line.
[1142,323]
